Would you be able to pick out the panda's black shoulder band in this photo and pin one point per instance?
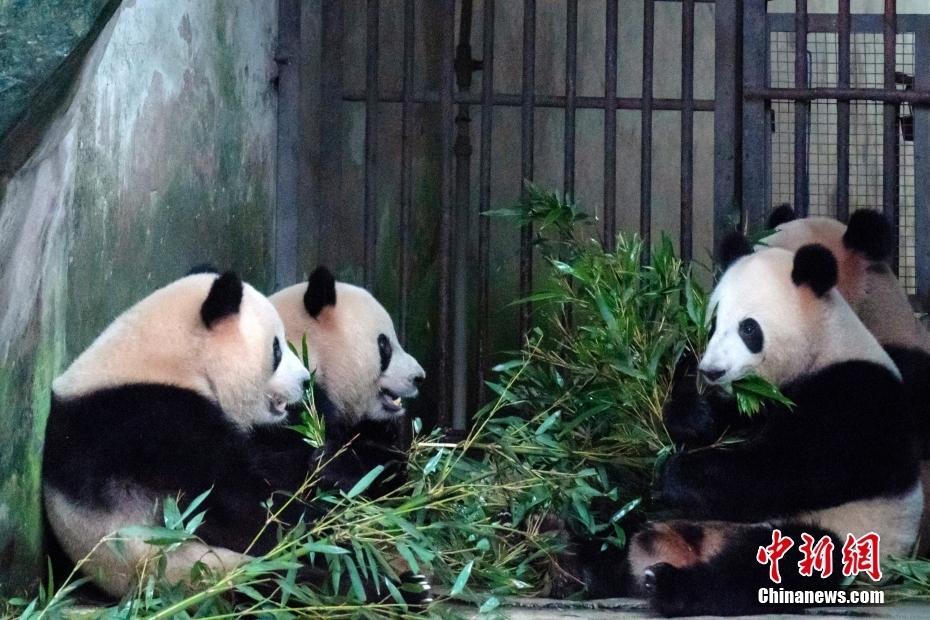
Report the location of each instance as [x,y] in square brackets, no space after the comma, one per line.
[782,214]
[321,291]
[870,233]
[224,299]
[735,245]
[815,266]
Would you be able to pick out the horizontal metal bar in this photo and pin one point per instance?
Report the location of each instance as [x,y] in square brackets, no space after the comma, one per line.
[841,94]
[540,101]
[827,22]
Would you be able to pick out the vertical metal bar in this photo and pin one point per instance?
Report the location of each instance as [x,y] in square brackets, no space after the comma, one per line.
[755,119]
[484,191]
[464,66]
[802,112]
[645,171]
[687,129]
[406,163]
[371,139]
[571,80]
[844,27]
[890,164]
[286,225]
[447,80]
[610,127]
[922,168]
[728,115]
[331,134]
[526,155]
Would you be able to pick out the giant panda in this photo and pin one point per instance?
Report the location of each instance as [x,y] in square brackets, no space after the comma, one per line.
[164,403]
[166,356]
[863,250]
[840,461]
[362,375]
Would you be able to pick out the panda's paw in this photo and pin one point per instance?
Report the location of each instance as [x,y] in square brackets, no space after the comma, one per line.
[689,419]
[680,485]
[665,588]
[416,590]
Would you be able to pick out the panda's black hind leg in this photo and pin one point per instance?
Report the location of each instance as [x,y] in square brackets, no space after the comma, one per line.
[729,582]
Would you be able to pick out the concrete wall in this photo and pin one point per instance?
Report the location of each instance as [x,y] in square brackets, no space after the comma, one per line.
[162,158]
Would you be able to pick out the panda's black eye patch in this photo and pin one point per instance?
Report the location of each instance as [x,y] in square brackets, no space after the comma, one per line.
[385,350]
[275,354]
[751,334]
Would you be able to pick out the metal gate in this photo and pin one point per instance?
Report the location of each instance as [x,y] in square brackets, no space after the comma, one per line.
[390,141]
[843,121]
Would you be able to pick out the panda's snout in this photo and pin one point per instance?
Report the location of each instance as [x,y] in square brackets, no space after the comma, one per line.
[711,375]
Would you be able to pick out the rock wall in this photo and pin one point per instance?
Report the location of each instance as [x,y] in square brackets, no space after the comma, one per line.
[162,157]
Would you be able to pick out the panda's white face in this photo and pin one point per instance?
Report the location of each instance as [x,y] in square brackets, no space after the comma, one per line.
[779,316]
[252,344]
[758,324]
[353,346]
[207,333]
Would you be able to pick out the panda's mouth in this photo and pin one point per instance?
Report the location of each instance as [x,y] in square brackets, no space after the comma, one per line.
[390,401]
[277,405]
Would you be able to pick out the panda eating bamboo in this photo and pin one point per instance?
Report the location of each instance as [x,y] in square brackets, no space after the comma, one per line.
[187,391]
[841,461]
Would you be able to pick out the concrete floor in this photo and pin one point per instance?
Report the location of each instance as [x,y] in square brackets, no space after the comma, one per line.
[549,609]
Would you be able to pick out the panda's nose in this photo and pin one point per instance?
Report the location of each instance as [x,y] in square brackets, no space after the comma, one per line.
[418,379]
[307,384]
[712,374]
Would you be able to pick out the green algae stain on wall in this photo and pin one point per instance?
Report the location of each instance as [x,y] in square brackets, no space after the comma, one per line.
[164,159]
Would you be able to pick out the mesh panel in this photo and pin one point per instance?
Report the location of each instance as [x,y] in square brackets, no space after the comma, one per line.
[866,135]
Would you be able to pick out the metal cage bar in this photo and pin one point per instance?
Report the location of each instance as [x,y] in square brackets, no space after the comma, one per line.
[687,130]
[921,166]
[571,85]
[484,191]
[890,126]
[844,27]
[447,127]
[454,201]
[527,118]
[372,58]
[610,126]
[802,112]
[645,171]
[406,162]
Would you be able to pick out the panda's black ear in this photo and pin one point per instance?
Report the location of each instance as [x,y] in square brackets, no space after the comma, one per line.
[224,299]
[782,214]
[870,233]
[321,291]
[814,266]
[735,245]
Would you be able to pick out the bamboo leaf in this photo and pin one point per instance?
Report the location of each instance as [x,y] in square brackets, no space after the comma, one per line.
[462,580]
[362,485]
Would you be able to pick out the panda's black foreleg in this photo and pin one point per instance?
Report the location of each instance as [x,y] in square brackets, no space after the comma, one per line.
[692,417]
[733,581]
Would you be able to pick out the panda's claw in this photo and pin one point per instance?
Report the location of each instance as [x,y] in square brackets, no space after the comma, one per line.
[416,589]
